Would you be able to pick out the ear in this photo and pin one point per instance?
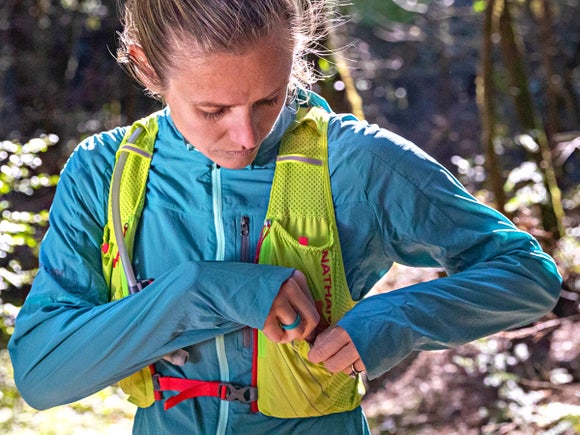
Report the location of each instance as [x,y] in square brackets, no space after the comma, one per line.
[145,72]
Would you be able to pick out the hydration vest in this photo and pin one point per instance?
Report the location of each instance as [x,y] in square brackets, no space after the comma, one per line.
[300,232]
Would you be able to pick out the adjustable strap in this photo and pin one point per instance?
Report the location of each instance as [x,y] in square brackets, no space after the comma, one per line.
[191,388]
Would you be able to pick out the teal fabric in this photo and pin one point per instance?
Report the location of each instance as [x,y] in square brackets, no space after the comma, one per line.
[393,203]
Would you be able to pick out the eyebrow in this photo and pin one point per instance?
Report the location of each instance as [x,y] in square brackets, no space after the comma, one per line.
[213,104]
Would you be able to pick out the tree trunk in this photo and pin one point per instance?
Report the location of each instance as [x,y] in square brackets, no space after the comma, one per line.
[347,100]
[485,97]
[552,211]
[547,49]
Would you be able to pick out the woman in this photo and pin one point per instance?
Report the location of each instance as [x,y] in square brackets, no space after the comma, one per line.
[232,77]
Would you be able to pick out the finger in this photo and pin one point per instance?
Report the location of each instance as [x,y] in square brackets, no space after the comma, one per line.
[328,344]
[310,317]
[302,302]
[342,360]
[273,326]
[359,366]
[288,316]
[305,320]
[355,368]
[293,300]
[281,332]
[335,349]
[293,325]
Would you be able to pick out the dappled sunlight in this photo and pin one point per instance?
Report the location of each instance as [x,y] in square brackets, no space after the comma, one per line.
[105,413]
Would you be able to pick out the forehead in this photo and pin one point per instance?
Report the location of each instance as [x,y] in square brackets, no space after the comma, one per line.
[185,46]
[255,69]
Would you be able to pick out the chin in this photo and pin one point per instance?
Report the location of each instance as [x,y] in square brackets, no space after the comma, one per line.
[237,160]
[238,164]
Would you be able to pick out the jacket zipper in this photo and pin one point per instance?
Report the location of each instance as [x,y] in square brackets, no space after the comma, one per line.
[219,256]
[245,258]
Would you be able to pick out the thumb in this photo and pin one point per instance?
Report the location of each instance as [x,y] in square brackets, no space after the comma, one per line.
[328,343]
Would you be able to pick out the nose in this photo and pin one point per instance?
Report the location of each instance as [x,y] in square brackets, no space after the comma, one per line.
[244,130]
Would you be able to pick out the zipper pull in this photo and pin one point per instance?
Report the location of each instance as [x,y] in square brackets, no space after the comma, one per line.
[263,234]
[118,256]
[244,233]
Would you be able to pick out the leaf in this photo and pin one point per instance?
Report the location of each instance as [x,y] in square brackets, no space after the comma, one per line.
[479,6]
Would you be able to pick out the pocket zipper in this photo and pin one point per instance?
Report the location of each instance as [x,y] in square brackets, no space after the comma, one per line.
[245,233]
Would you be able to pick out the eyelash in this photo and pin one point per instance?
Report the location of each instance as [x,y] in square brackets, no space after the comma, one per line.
[214,116]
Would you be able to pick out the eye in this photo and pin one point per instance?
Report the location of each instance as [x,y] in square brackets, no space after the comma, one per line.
[213,116]
[269,101]
[221,111]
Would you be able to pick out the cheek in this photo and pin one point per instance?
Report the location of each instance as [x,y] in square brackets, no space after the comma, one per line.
[269,118]
[198,133]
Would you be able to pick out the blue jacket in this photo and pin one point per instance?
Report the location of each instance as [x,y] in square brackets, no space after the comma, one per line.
[393,203]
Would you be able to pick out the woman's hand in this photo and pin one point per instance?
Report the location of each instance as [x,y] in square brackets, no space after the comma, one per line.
[293,315]
[335,349]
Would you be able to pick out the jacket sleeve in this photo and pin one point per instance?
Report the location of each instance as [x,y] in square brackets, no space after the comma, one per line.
[70,341]
[497,276]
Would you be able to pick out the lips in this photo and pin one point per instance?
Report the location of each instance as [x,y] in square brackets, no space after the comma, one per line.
[243,152]
[237,159]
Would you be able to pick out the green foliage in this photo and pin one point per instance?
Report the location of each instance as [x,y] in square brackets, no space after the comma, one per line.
[479,5]
[106,412]
[20,231]
[377,12]
[499,384]
[526,187]
[19,162]
[21,178]
[501,363]
[567,251]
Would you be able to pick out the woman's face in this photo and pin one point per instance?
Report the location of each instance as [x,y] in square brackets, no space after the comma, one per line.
[225,104]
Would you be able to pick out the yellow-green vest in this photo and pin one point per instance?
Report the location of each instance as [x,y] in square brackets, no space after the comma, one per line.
[300,232]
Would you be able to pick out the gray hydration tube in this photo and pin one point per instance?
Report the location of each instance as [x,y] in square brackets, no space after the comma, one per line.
[132,283]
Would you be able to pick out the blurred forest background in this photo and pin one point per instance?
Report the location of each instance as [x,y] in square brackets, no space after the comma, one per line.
[489,87]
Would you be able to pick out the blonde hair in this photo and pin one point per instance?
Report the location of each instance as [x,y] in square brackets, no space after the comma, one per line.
[159,26]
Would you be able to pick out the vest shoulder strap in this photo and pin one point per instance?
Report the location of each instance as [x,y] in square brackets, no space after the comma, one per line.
[126,199]
[296,185]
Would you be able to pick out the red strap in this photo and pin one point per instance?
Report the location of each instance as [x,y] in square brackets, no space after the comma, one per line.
[189,388]
[254,404]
